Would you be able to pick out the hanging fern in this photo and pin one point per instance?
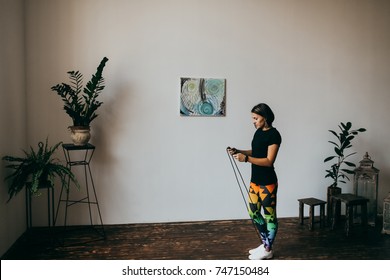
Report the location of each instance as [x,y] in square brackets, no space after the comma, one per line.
[37,169]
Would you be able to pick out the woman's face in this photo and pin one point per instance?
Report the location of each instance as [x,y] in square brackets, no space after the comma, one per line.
[258,121]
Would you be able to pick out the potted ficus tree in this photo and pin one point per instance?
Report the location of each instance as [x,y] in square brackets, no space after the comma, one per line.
[81,103]
[37,169]
[340,167]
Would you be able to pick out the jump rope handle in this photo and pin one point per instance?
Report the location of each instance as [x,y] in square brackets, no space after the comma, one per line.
[234,150]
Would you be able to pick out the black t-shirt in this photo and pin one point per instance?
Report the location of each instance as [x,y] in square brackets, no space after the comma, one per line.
[263,175]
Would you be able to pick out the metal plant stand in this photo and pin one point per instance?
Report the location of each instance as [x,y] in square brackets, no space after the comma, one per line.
[85,154]
[50,206]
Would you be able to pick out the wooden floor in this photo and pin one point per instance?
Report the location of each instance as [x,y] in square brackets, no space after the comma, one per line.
[211,240]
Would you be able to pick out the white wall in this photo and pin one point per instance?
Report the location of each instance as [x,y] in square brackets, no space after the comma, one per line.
[12,113]
[316,63]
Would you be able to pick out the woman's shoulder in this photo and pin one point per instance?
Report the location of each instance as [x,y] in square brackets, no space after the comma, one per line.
[276,134]
[274,130]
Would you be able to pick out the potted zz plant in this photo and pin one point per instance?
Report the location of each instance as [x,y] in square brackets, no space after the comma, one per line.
[81,103]
[37,170]
[341,167]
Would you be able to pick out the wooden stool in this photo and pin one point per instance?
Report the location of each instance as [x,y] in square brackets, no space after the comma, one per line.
[350,201]
[312,202]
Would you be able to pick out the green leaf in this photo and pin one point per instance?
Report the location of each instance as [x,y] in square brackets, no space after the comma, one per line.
[348,171]
[351,164]
[329,158]
[338,152]
[345,144]
[334,133]
[337,145]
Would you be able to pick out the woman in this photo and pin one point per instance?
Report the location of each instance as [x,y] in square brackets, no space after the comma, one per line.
[264,183]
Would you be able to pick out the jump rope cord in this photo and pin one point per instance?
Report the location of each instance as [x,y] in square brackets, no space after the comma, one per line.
[238,177]
[236,170]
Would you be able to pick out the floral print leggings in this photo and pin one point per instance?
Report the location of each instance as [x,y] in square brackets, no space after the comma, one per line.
[264,197]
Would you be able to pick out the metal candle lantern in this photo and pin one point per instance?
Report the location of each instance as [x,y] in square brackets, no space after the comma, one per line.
[366,185]
[386,215]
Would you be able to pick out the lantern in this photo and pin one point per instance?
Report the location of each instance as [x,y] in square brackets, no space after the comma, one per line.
[386,215]
[366,185]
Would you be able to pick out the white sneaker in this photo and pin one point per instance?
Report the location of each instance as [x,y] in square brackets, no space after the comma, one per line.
[260,248]
[262,255]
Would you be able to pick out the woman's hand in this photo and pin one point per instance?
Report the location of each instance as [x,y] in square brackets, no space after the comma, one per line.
[240,157]
[232,151]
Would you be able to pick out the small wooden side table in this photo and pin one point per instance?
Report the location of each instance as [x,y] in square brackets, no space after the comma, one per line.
[351,201]
[312,202]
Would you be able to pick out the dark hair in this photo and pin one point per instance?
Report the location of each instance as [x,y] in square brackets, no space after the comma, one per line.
[265,111]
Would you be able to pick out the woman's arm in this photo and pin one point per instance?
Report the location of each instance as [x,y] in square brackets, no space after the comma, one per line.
[268,161]
[233,151]
[246,152]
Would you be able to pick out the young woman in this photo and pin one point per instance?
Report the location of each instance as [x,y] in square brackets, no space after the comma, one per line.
[264,183]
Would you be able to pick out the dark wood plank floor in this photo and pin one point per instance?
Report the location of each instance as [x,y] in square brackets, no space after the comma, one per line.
[210,240]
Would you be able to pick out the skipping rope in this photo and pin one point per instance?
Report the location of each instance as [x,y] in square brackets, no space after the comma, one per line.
[241,185]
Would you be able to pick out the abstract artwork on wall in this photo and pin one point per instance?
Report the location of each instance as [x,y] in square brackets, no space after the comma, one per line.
[202,97]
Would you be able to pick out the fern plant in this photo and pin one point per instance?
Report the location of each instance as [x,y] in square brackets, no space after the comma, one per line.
[37,169]
[337,172]
[81,103]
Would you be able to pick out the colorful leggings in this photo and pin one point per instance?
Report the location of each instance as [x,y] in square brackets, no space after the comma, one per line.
[264,197]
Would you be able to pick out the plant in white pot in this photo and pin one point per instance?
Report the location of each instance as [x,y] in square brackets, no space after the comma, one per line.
[341,167]
[81,103]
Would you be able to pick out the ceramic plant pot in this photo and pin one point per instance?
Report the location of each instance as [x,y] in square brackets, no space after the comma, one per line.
[80,135]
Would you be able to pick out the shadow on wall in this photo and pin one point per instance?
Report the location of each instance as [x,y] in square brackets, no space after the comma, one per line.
[107,132]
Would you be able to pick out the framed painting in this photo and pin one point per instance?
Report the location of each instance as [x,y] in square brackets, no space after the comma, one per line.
[202,97]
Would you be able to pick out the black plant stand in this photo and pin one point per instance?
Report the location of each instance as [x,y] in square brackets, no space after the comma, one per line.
[50,206]
[84,154]
[46,233]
